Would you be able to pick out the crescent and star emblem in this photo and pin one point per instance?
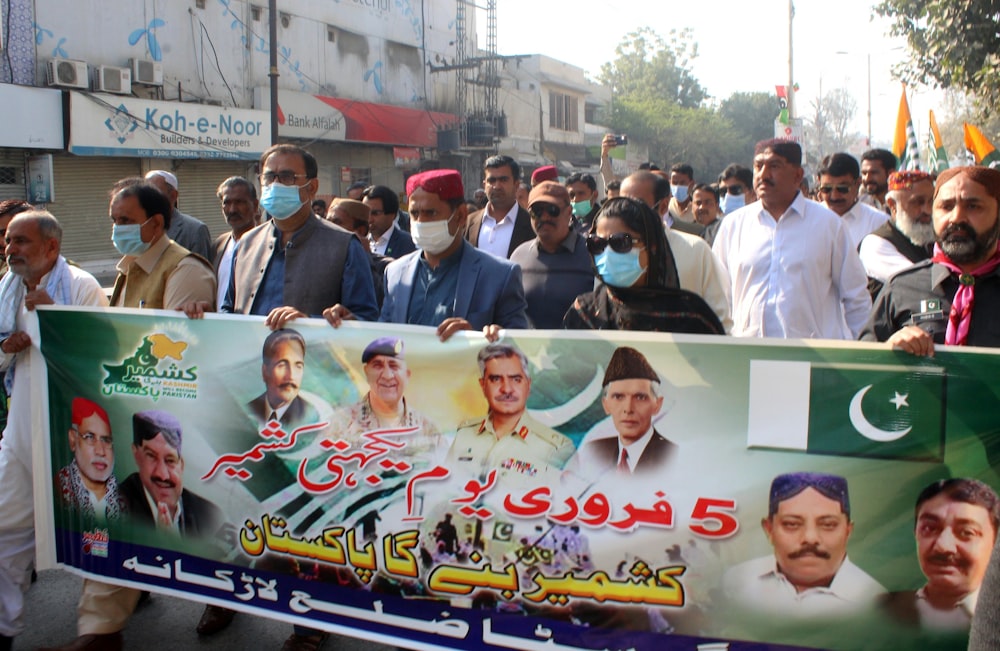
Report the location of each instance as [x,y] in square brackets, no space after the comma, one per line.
[868,430]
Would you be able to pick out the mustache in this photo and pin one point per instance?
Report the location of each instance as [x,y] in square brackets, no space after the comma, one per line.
[947,559]
[967,230]
[163,483]
[767,182]
[810,550]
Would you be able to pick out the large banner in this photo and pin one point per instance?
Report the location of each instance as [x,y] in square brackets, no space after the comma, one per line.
[559,490]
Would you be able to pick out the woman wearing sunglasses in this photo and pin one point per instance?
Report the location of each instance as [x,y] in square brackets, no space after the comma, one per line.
[637,286]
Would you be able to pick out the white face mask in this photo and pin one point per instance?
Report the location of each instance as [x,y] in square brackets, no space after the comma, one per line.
[432,237]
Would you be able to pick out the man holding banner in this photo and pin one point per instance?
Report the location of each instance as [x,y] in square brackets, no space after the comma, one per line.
[953,298]
[38,275]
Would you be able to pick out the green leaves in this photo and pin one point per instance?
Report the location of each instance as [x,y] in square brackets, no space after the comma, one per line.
[950,44]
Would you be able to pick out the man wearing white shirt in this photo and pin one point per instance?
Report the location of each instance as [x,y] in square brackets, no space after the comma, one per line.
[240,208]
[790,268]
[839,183]
[385,236]
[908,237]
[502,225]
[38,275]
[809,575]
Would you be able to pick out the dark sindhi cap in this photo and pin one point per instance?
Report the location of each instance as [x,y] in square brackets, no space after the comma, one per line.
[789,485]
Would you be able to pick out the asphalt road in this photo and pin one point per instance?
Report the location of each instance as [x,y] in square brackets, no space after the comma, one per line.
[164,623]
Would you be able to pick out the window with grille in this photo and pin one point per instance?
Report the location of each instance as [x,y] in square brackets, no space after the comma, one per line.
[563,112]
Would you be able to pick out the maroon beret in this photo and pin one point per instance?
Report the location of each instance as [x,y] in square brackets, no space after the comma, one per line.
[547,173]
[446,184]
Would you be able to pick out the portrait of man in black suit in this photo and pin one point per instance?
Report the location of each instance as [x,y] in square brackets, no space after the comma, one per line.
[155,495]
[283,365]
[631,398]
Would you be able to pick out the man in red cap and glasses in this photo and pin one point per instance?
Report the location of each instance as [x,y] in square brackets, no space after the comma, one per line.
[447,282]
[954,297]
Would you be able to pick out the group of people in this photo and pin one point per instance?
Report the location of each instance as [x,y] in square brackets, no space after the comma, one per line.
[749,255]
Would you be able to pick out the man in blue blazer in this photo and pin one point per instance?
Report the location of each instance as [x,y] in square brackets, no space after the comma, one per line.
[448,283]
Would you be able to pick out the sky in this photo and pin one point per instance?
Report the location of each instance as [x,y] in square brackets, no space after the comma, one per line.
[742,46]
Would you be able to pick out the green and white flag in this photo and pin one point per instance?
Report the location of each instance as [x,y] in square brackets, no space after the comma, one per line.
[852,410]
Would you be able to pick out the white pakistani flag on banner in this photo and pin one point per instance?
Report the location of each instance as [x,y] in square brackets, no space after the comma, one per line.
[865,410]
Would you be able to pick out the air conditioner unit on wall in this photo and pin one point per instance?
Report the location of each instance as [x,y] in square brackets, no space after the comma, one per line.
[109,79]
[144,71]
[68,73]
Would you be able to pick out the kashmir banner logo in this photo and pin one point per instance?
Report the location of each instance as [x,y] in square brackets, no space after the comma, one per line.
[153,371]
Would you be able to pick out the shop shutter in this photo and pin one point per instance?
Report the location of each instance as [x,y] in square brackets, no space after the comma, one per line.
[198,181]
[82,184]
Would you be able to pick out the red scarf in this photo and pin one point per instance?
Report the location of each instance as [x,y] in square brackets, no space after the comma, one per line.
[960,317]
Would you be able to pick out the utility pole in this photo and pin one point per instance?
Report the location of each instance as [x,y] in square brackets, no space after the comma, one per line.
[791,77]
[272,15]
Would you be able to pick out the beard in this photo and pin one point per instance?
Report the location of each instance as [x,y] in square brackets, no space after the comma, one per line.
[918,232]
[973,247]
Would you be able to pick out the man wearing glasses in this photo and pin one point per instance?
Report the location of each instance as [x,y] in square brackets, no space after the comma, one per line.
[839,184]
[555,266]
[735,188]
[296,264]
[87,484]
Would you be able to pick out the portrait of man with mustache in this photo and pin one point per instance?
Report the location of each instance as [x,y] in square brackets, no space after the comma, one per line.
[282,368]
[809,575]
[955,526]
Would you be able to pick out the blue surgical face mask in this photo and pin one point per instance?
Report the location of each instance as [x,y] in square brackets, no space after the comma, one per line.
[127,238]
[680,192]
[582,208]
[619,269]
[281,201]
[731,202]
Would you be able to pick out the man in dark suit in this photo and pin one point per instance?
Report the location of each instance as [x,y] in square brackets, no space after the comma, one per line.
[384,235]
[446,283]
[631,398]
[240,208]
[502,225]
[282,369]
[156,446]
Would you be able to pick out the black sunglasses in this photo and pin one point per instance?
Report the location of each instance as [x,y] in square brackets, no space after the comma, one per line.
[827,189]
[541,208]
[731,189]
[619,242]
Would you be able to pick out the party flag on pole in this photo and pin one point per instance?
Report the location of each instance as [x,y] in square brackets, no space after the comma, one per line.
[904,144]
[937,154]
[982,149]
